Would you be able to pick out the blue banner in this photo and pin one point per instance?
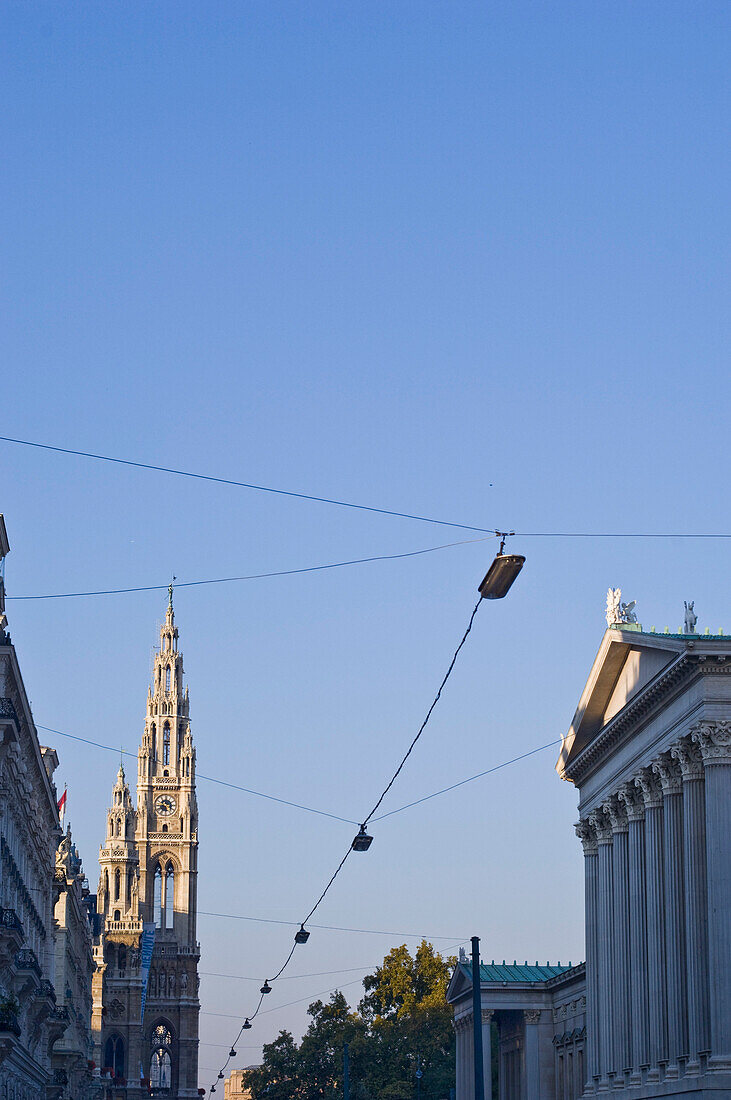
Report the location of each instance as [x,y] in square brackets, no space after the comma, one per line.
[146,946]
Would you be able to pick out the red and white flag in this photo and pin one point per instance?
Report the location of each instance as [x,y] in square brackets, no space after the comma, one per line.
[62,805]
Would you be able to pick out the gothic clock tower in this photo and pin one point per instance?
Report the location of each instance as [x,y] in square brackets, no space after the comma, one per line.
[149,877]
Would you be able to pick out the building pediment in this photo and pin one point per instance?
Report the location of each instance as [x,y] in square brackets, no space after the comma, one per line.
[629,661]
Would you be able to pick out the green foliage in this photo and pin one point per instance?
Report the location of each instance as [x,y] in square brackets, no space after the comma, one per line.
[402,1024]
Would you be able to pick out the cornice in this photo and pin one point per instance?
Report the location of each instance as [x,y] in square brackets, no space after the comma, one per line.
[629,715]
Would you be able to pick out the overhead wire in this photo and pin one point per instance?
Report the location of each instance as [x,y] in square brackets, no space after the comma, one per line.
[250,576]
[353,505]
[238,484]
[266,988]
[207,778]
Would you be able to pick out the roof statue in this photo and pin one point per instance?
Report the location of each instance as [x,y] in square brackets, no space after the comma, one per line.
[690,618]
[618,612]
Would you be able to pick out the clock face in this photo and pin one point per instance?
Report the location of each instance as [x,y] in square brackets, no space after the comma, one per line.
[165,805]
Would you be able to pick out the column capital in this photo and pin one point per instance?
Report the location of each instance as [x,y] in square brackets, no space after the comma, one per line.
[487,1015]
[602,825]
[689,758]
[668,772]
[586,834]
[649,786]
[531,1015]
[714,741]
[616,811]
[633,801]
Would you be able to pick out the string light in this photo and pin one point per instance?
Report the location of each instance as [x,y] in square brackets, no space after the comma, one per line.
[362,840]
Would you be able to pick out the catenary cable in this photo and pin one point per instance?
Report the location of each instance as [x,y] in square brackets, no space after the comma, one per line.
[239,484]
[364,507]
[251,576]
[325,927]
[266,988]
[207,778]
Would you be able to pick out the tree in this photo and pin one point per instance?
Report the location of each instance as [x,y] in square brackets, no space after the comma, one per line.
[403,1023]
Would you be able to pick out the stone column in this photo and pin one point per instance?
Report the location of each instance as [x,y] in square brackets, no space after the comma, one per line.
[487,1015]
[656,986]
[696,913]
[635,807]
[617,814]
[587,836]
[668,772]
[458,1087]
[531,1019]
[605,985]
[714,740]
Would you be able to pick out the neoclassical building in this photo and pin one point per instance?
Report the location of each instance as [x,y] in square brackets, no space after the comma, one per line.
[71,1059]
[649,751]
[145,1016]
[533,1024]
[30,1019]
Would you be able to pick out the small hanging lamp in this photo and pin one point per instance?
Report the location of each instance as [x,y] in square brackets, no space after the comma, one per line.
[266,988]
[362,842]
[499,578]
[302,936]
[246,1025]
[213,1088]
[220,1077]
[232,1053]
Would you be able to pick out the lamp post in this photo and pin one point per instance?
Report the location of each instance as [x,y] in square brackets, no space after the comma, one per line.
[477,1019]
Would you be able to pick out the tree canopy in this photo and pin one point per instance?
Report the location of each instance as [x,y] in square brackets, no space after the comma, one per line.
[402,1024]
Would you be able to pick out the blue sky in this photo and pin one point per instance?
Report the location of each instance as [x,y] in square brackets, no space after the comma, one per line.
[463,260]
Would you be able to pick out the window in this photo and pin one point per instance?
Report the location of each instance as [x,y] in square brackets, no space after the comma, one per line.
[166,743]
[117,877]
[157,896]
[114,1055]
[167,678]
[161,1069]
[169,896]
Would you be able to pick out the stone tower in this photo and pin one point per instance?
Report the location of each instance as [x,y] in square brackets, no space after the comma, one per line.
[149,866]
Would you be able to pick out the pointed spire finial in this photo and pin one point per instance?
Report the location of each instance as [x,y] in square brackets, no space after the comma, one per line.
[170,593]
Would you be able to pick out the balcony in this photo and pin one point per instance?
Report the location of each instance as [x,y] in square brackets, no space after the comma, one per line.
[11,937]
[8,1020]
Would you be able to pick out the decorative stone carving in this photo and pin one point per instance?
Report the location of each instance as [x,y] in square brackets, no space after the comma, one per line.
[649,785]
[618,612]
[531,1015]
[668,772]
[487,1015]
[714,741]
[633,801]
[602,826]
[689,759]
[616,811]
[690,617]
[586,834]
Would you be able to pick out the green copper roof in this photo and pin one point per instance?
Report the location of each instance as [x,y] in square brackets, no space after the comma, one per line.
[516,972]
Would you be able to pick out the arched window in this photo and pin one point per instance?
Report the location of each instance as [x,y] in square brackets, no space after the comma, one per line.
[167,678]
[169,896]
[119,827]
[114,1055]
[157,896]
[161,1068]
[122,958]
[117,877]
[166,743]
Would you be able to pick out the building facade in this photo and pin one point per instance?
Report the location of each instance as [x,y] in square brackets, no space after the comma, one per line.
[71,1057]
[145,1015]
[649,751]
[533,1021]
[234,1087]
[30,1019]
